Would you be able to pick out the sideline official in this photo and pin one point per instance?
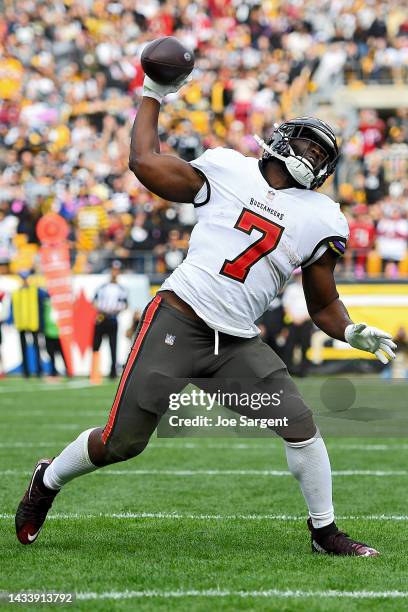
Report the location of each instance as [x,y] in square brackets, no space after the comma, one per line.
[110,299]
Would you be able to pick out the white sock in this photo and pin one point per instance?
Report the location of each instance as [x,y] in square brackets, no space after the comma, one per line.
[72,462]
[310,465]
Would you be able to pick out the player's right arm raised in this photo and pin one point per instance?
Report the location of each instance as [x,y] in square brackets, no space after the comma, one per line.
[167,176]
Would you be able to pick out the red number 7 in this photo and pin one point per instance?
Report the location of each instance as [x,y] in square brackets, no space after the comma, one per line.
[239,267]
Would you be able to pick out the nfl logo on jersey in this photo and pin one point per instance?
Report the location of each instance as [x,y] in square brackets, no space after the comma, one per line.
[170,339]
[270,195]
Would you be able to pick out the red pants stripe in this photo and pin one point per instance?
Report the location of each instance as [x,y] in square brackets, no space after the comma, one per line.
[148,318]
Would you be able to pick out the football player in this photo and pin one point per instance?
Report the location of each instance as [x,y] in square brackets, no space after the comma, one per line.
[258,220]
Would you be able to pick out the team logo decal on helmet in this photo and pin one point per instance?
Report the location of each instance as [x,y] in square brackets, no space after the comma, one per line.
[301,165]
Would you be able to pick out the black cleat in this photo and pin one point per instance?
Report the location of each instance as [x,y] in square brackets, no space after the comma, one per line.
[33,508]
[334,542]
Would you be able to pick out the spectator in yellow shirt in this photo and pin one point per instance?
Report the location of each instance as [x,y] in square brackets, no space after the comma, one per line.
[92,220]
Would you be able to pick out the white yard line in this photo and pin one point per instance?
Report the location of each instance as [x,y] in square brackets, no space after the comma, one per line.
[31,444]
[74,384]
[368,447]
[211,517]
[57,413]
[40,425]
[217,593]
[266,446]
[273,473]
[221,446]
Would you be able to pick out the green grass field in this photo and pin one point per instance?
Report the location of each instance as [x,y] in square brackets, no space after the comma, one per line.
[197,524]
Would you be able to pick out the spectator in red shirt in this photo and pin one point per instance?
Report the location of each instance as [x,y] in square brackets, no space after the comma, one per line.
[372,129]
[392,237]
[9,112]
[362,237]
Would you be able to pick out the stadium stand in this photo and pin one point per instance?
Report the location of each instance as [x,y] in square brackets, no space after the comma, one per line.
[70,83]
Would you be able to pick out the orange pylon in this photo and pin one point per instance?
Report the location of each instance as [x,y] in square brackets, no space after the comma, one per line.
[95,377]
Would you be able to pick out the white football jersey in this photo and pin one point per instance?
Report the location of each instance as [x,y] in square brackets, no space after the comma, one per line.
[247,241]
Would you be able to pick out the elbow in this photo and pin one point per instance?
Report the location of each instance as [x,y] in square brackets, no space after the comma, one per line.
[134,163]
[315,311]
[314,316]
[140,166]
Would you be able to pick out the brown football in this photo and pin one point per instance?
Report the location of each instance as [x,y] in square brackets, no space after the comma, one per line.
[166,60]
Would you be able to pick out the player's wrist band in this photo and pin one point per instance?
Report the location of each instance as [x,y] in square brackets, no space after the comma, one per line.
[149,93]
[348,332]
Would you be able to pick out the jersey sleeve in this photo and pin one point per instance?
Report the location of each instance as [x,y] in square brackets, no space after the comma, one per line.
[210,159]
[333,233]
[215,166]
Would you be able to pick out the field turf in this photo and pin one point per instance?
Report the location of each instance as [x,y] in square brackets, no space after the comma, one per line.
[197,524]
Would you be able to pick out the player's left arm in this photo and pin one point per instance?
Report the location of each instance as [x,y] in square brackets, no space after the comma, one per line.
[330,315]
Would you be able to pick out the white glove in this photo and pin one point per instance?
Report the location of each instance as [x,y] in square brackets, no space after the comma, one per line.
[151,89]
[371,339]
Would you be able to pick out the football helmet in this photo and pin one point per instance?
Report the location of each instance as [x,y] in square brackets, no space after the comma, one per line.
[294,142]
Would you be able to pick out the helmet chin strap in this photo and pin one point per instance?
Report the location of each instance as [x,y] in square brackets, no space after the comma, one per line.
[300,169]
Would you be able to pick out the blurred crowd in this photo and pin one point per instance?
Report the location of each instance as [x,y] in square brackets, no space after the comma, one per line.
[70,84]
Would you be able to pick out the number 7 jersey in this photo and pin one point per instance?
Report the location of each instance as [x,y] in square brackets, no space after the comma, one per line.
[247,241]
